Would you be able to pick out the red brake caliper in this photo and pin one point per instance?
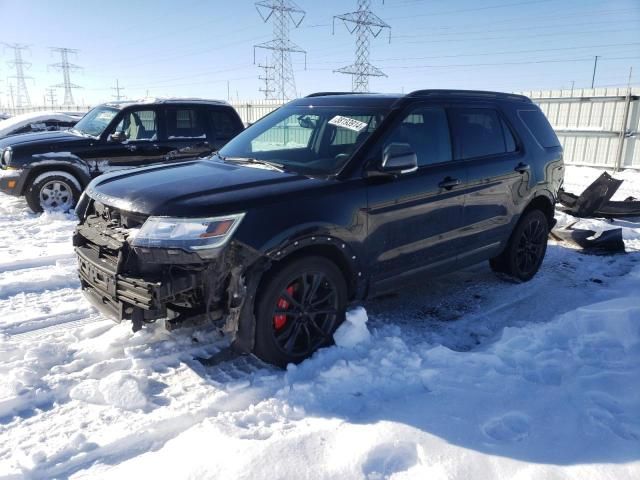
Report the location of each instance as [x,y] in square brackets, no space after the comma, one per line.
[280,319]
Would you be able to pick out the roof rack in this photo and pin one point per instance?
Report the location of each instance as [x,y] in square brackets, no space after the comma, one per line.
[470,93]
[325,94]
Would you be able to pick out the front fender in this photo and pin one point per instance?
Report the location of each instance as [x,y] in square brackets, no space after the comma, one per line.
[67,163]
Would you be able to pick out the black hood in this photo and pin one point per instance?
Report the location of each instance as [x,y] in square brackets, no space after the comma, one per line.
[198,188]
[47,141]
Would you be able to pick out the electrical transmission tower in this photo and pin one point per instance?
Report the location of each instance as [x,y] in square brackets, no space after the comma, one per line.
[284,14]
[21,94]
[118,96]
[365,24]
[65,67]
[268,80]
[50,97]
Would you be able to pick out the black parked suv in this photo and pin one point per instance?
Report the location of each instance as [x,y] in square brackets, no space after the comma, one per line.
[52,168]
[329,200]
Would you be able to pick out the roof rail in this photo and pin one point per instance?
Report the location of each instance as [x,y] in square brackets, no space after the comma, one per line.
[470,93]
[325,94]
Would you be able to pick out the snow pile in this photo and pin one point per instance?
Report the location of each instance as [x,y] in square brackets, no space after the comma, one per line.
[10,125]
[463,376]
[354,329]
[119,389]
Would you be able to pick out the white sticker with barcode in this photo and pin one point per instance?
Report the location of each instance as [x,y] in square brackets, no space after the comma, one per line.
[349,123]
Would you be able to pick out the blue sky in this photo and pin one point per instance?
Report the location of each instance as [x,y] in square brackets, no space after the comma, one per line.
[194,47]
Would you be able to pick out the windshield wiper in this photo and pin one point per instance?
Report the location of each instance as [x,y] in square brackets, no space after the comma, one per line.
[254,161]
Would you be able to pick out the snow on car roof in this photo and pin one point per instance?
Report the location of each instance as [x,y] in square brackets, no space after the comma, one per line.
[9,125]
[150,100]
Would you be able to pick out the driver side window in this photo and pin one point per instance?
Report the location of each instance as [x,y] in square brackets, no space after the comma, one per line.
[139,125]
[426,131]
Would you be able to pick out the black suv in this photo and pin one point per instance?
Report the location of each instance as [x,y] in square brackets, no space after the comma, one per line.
[328,200]
[51,168]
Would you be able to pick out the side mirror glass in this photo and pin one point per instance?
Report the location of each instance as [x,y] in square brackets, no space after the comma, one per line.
[306,121]
[399,158]
[117,137]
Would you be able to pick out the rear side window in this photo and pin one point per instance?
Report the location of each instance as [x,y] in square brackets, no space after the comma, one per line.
[477,132]
[509,140]
[184,123]
[539,127]
[427,131]
[223,124]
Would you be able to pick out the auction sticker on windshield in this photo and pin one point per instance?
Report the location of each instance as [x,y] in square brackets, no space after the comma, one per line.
[350,123]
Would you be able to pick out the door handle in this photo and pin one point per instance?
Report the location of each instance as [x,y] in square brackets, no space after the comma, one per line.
[448,183]
[522,168]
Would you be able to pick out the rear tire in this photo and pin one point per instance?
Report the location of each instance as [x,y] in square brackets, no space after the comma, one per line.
[298,309]
[524,253]
[52,191]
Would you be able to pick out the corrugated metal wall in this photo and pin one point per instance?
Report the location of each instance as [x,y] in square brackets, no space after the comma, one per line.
[597,127]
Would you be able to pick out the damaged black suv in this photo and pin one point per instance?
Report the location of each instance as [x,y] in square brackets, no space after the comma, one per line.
[329,200]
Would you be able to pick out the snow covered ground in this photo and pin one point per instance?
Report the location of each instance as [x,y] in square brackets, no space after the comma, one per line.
[462,377]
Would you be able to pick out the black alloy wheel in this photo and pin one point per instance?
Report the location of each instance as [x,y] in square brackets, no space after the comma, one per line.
[299,310]
[523,255]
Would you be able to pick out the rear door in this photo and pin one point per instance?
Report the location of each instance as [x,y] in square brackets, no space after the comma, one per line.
[415,220]
[223,125]
[185,133]
[484,140]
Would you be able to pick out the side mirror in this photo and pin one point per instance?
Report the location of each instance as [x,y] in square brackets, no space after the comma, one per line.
[117,137]
[305,121]
[399,158]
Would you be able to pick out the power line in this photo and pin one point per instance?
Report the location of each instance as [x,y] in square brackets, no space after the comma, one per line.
[21,96]
[284,14]
[507,52]
[465,31]
[475,9]
[500,64]
[460,38]
[365,24]
[65,67]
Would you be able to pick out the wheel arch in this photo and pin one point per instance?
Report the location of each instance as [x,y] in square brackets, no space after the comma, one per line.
[79,174]
[329,246]
[543,202]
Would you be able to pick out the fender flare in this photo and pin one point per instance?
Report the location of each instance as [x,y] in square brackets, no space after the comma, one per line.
[244,335]
[300,242]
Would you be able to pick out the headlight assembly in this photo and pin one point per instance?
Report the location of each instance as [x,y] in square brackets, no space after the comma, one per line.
[195,234]
[6,156]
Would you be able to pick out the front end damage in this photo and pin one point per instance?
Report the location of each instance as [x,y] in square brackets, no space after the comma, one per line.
[143,285]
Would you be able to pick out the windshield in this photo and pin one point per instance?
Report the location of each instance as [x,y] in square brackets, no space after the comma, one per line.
[95,122]
[313,140]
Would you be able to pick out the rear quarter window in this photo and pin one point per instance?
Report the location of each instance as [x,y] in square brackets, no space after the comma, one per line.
[539,127]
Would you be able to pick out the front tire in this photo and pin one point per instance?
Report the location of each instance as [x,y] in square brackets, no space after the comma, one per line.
[523,255]
[299,307]
[52,191]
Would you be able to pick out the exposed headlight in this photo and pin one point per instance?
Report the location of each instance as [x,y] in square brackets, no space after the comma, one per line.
[6,156]
[195,234]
